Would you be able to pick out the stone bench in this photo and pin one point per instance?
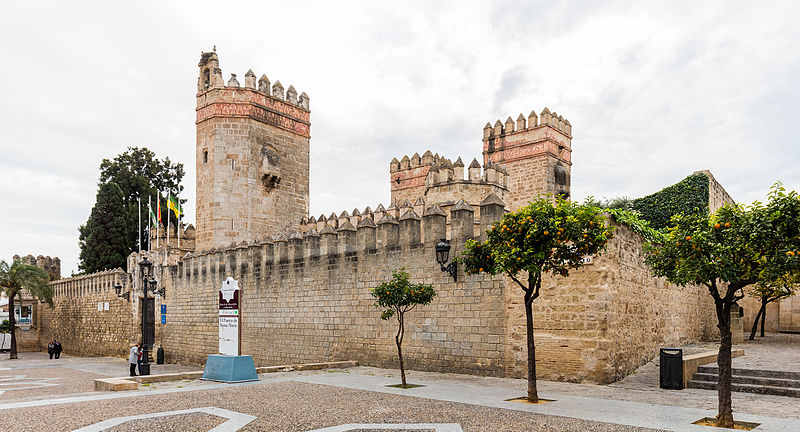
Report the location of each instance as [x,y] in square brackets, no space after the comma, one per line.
[693,361]
[114,384]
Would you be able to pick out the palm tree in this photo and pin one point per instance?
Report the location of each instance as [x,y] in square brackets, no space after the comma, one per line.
[14,279]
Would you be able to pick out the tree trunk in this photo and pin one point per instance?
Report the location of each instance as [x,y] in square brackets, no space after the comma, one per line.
[725,415]
[755,323]
[763,315]
[399,340]
[533,395]
[13,322]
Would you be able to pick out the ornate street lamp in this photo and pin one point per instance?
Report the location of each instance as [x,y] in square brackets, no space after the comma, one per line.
[443,255]
[146,268]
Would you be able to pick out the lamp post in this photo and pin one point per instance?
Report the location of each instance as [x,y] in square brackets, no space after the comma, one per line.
[443,255]
[146,268]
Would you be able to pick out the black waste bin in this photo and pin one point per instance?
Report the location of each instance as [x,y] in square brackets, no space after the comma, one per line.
[160,355]
[671,368]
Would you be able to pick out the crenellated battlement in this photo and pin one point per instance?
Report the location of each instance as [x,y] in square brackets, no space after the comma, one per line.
[331,237]
[91,284]
[211,78]
[51,265]
[536,151]
[257,99]
[437,179]
[546,118]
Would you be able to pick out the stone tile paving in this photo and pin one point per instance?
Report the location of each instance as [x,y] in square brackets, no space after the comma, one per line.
[297,406]
[198,421]
[35,375]
[777,351]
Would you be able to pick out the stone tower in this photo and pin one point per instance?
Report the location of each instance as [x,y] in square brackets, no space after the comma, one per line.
[252,156]
[535,151]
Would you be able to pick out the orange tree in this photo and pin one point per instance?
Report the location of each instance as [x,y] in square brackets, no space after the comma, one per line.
[546,236]
[399,296]
[726,252]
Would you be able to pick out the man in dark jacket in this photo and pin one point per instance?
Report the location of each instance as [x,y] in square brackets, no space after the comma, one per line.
[57,348]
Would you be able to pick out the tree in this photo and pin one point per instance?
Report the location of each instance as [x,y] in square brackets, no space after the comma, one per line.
[768,293]
[399,296]
[139,174]
[19,277]
[542,237]
[734,248]
[102,239]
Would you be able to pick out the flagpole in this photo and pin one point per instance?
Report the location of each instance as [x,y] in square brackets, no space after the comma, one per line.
[166,248]
[139,200]
[179,219]
[149,223]
[158,226]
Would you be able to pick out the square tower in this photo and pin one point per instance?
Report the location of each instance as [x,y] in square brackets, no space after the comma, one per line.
[252,157]
[537,153]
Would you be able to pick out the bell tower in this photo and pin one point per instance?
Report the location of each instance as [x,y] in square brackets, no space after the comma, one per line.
[252,156]
[537,152]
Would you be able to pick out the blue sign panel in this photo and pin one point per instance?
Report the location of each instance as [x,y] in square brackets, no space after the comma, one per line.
[164,319]
[163,308]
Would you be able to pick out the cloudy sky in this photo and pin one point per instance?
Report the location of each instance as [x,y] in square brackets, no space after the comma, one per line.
[654,91]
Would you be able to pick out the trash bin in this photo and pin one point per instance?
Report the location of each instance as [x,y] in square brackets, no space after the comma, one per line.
[671,368]
[160,355]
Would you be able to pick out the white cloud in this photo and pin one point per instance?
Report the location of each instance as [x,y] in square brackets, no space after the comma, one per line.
[654,91]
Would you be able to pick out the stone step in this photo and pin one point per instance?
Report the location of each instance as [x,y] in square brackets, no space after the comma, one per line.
[771,382]
[754,373]
[747,388]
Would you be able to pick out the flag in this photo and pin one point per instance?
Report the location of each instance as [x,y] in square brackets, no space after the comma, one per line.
[175,206]
[158,204]
[153,217]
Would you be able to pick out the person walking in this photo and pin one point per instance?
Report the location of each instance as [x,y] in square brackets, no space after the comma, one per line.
[51,348]
[133,359]
[57,348]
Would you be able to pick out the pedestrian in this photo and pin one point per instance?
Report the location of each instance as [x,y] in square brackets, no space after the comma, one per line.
[139,360]
[58,348]
[133,359]
[51,348]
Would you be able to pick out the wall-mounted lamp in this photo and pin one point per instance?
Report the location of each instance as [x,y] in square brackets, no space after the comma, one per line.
[443,255]
[118,291]
[153,284]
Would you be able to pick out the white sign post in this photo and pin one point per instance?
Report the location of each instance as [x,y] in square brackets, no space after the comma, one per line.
[229,317]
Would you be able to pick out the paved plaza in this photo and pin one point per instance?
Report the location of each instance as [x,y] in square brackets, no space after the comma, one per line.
[41,394]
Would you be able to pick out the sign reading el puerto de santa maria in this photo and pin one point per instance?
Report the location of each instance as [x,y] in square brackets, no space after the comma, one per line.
[229,366]
[229,317]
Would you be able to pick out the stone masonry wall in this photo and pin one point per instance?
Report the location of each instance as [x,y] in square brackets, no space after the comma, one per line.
[606,319]
[305,298]
[76,321]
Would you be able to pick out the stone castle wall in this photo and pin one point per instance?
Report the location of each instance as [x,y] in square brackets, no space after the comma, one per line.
[81,326]
[606,319]
[305,298]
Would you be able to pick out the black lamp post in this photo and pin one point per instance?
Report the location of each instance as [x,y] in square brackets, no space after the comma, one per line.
[442,255]
[146,268]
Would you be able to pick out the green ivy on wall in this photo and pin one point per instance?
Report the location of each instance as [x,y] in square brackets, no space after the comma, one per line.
[688,195]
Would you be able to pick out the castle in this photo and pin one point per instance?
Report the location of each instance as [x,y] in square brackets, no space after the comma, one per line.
[305,279]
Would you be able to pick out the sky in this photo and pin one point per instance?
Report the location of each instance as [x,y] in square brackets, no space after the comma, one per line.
[654,91]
